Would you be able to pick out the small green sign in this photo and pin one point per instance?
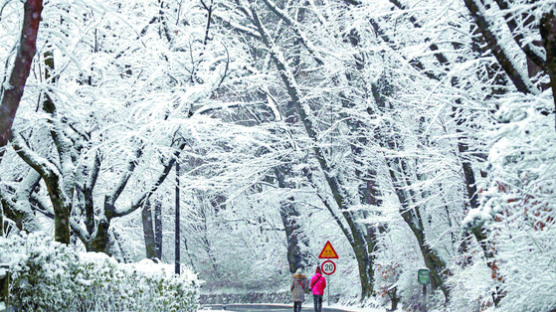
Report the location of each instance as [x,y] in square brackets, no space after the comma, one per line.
[423,276]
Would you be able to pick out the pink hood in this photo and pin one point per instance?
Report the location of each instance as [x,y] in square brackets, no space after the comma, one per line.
[318,284]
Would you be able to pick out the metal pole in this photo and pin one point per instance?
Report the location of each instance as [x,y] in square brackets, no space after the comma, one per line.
[425,296]
[1,220]
[177,226]
[329,279]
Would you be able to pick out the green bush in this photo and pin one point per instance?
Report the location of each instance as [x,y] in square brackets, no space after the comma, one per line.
[48,276]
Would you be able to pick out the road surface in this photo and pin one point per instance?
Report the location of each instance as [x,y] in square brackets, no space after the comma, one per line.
[307,307]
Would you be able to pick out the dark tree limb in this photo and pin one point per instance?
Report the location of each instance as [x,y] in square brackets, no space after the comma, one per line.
[548,34]
[440,57]
[239,28]
[529,49]
[412,218]
[100,238]
[11,96]
[161,178]
[158,229]
[54,181]
[88,194]
[110,200]
[209,10]
[148,231]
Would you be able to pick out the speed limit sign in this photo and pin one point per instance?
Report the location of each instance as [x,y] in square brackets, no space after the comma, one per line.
[328,267]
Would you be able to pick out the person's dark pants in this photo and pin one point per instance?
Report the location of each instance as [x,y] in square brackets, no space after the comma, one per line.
[317,299]
[297,306]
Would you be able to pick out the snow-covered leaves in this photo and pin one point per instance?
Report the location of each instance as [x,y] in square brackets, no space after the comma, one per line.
[45,275]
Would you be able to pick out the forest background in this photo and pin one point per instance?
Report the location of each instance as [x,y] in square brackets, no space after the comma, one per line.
[411,134]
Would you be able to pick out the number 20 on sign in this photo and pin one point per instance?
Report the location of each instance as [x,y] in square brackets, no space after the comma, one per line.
[328,267]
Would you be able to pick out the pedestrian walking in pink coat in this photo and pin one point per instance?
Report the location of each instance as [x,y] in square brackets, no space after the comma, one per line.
[318,284]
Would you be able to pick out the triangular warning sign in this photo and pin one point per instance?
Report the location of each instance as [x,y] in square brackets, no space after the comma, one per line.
[328,252]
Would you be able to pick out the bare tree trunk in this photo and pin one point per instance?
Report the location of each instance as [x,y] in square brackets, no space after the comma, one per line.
[297,258]
[1,220]
[56,190]
[398,169]
[548,34]
[485,34]
[158,229]
[367,188]
[294,233]
[11,95]
[148,231]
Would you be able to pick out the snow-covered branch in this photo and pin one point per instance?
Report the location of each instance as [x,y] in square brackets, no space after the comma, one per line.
[514,71]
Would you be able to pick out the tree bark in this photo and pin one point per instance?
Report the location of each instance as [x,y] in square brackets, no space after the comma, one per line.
[177,254]
[1,220]
[548,34]
[56,190]
[22,65]
[292,228]
[148,231]
[88,195]
[158,229]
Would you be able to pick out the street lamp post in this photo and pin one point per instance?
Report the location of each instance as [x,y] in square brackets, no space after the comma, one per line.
[177,226]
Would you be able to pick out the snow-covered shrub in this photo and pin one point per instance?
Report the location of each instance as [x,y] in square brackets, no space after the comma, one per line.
[48,276]
[520,199]
[519,212]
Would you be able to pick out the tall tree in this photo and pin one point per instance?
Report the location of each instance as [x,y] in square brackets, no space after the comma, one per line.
[148,231]
[13,91]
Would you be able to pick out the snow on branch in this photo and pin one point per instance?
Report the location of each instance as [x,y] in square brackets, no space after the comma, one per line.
[532,52]
[110,200]
[138,203]
[42,165]
[515,73]
[290,22]
[241,29]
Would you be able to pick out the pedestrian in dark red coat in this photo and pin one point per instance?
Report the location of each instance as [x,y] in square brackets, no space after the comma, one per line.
[318,284]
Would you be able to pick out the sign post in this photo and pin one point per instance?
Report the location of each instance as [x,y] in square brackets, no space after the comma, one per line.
[177,222]
[423,278]
[328,267]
